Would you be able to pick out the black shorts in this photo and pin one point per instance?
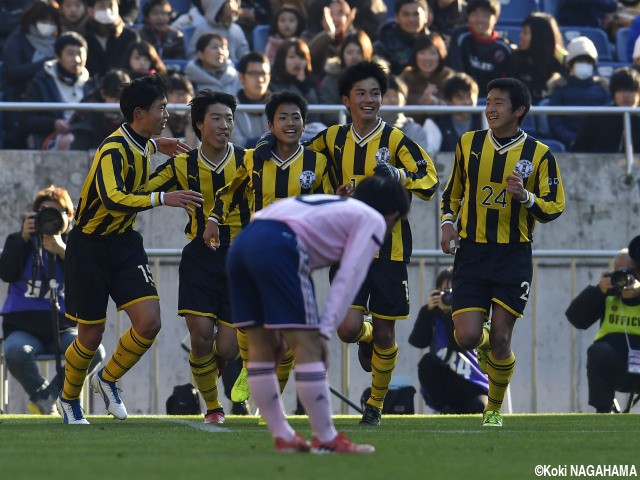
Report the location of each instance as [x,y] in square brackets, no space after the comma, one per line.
[204,289]
[385,291]
[484,273]
[96,268]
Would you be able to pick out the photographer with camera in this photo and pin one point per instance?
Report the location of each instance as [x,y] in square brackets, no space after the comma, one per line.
[615,302]
[27,311]
[451,380]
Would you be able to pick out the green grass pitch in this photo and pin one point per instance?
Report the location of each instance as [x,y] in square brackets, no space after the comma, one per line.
[408,447]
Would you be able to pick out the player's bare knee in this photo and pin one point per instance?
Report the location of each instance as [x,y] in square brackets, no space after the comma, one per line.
[467,340]
[384,338]
[347,332]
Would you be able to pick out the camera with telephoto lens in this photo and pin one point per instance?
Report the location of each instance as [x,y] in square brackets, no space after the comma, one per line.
[447,297]
[622,278]
[49,221]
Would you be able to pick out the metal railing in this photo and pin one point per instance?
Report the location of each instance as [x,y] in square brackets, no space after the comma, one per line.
[626,112]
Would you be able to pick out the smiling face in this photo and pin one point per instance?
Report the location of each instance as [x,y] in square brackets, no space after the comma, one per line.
[217,126]
[159,17]
[501,117]
[364,100]
[152,122]
[287,124]
[482,22]
[427,60]
[411,18]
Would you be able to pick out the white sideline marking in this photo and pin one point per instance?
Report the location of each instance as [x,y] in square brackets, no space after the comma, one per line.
[207,427]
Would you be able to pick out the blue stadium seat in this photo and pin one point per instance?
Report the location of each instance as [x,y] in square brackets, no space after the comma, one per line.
[513,12]
[555,145]
[176,64]
[622,35]
[187,33]
[512,32]
[260,36]
[605,69]
[391,5]
[550,6]
[596,35]
[180,6]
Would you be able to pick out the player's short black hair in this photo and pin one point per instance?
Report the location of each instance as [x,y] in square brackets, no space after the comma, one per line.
[361,71]
[141,93]
[384,195]
[201,102]
[285,96]
[519,93]
[69,38]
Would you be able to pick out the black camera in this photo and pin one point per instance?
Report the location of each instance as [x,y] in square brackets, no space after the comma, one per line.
[49,221]
[622,278]
[447,297]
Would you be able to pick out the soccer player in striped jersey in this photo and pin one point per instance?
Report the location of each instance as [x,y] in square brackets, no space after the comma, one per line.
[502,182]
[203,298]
[359,150]
[105,256]
[287,171]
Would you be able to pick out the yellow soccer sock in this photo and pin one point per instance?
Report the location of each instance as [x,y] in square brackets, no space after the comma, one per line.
[131,347]
[205,374]
[77,360]
[243,346]
[499,373]
[284,369]
[366,333]
[383,362]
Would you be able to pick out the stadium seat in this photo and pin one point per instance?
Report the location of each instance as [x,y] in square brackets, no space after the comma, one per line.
[605,69]
[176,64]
[596,35]
[622,35]
[180,6]
[260,36]
[187,33]
[513,12]
[511,32]
[555,145]
[391,5]
[550,6]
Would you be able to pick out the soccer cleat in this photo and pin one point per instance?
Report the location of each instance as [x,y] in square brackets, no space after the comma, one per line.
[365,352]
[214,416]
[491,418]
[340,444]
[109,392]
[240,408]
[371,416]
[483,352]
[71,411]
[43,406]
[240,391]
[297,444]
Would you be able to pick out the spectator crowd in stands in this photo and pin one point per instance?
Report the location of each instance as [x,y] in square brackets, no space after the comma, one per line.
[441,52]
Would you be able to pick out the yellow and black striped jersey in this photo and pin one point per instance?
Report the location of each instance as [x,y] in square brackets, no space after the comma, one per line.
[476,194]
[194,171]
[115,188]
[354,158]
[264,182]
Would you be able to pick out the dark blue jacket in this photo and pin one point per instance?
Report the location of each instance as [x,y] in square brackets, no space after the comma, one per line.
[395,45]
[18,69]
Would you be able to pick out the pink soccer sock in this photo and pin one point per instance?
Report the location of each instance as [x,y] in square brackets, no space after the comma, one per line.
[265,391]
[313,392]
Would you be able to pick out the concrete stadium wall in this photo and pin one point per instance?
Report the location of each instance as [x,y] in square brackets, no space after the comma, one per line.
[601,214]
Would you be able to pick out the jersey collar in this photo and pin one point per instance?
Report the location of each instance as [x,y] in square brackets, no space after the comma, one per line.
[361,141]
[219,167]
[137,142]
[502,149]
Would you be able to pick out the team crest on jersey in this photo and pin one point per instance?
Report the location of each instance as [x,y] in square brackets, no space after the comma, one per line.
[524,168]
[383,155]
[307,178]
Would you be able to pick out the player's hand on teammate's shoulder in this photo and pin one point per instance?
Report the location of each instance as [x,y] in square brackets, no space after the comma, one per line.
[187,199]
[171,146]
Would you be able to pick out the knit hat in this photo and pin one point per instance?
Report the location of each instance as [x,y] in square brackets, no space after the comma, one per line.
[581,46]
[636,49]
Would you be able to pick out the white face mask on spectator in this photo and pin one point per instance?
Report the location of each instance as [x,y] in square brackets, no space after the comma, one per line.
[105,17]
[582,70]
[46,29]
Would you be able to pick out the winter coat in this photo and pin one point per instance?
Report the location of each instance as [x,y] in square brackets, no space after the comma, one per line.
[605,133]
[18,68]
[395,45]
[226,81]
[571,91]
[100,60]
[249,127]
[170,47]
[417,83]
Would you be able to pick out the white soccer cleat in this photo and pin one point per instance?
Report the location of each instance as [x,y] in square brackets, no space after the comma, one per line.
[109,392]
[71,411]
